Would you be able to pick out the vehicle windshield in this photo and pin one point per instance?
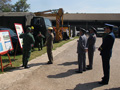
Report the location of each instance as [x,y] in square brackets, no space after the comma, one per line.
[48,23]
[37,21]
[12,33]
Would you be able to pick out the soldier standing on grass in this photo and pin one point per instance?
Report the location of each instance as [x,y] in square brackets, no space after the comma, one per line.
[39,39]
[49,44]
[106,52]
[28,41]
[91,47]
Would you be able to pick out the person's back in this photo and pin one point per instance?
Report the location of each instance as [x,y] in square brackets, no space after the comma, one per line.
[27,40]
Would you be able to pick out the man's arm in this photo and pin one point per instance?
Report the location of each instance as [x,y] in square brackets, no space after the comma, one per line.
[106,43]
[81,43]
[21,35]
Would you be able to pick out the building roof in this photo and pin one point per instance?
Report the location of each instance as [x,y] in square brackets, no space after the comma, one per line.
[72,16]
[16,14]
[90,16]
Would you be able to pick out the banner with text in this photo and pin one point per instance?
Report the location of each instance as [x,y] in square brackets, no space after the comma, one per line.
[19,30]
[5,42]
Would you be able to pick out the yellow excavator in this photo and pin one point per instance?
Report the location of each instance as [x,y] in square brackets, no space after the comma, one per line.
[58,13]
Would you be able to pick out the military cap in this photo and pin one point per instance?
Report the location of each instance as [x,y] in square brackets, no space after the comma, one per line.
[92,28]
[82,29]
[29,28]
[50,28]
[109,25]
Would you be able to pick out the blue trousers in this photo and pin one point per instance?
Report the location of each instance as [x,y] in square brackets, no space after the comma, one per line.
[106,69]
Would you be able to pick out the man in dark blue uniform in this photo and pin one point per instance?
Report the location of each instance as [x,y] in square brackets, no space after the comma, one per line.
[106,52]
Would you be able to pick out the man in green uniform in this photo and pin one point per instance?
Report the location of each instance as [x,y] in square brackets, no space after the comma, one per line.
[39,39]
[28,41]
[49,44]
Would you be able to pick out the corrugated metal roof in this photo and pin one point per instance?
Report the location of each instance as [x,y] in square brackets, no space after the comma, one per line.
[90,16]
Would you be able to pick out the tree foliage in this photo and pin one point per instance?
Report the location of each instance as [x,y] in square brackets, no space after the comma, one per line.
[21,6]
[5,6]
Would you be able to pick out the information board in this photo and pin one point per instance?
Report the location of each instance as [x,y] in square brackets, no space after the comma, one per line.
[19,30]
[5,42]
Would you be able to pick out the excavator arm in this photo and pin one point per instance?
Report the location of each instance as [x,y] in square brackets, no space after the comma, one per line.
[58,13]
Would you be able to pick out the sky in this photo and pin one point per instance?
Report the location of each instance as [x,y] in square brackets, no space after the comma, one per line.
[75,6]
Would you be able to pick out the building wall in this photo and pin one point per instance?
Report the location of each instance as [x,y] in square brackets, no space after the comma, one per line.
[86,23]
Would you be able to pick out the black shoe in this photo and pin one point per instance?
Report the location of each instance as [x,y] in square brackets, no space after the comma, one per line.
[78,71]
[50,62]
[27,67]
[84,70]
[22,66]
[88,68]
[102,78]
[103,83]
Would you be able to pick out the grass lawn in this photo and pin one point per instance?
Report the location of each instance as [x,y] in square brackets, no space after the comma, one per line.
[18,59]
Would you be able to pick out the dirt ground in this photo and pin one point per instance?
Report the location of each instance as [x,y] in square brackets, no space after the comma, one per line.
[61,75]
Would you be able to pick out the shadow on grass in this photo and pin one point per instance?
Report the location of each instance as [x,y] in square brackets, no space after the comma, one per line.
[7,60]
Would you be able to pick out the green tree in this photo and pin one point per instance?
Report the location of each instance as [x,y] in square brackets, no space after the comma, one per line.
[5,6]
[21,6]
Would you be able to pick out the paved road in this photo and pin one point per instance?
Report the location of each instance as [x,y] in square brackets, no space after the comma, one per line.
[61,75]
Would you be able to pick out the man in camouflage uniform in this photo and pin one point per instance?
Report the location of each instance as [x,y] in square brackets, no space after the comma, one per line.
[28,41]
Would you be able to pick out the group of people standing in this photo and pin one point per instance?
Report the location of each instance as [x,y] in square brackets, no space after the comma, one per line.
[88,45]
[84,45]
[29,41]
